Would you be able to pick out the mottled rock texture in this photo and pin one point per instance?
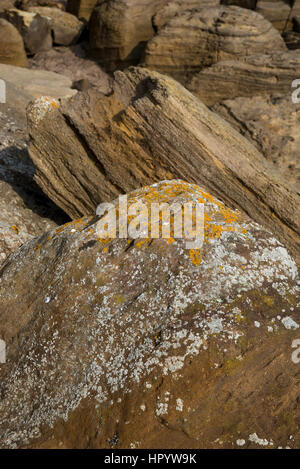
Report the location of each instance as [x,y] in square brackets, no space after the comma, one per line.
[211,34]
[250,4]
[151,128]
[278,13]
[12,49]
[144,344]
[261,74]
[34,29]
[66,27]
[81,8]
[273,125]
[119,30]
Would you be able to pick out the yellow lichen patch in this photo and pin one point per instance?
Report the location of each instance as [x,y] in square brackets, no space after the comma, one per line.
[37,247]
[269,301]
[15,229]
[195,256]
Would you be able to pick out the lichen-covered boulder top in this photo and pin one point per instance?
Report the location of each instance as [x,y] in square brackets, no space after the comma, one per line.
[144,343]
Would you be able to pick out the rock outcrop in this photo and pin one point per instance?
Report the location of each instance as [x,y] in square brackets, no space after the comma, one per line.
[66,27]
[119,30]
[250,4]
[210,35]
[142,343]
[273,125]
[151,128]
[34,29]
[81,8]
[11,45]
[261,74]
[278,13]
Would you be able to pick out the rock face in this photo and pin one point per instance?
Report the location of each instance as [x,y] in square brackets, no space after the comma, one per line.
[66,27]
[172,9]
[292,40]
[6,4]
[151,128]
[250,4]
[11,45]
[24,4]
[34,29]
[73,63]
[119,30]
[81,8]
[296,24]
[261,74]
[118,351]
[210,35]
[279,13]
[273,125]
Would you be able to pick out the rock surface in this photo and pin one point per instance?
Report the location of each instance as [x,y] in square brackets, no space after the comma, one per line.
[73,62]
[273,125]
[81,8]
[210,35]
[11,45]
[119,30]
[260,74]
[144,344]
[278,13]
[250,4]
[34,29]
[151,128]
[292,40]
[66,27]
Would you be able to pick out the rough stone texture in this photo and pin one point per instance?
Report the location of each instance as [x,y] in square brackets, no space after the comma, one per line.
[261,74]
[278,13]
[6,4]
[11,45]
[151,128]
[119,30]
[172,9]
[250,4]
[210,35]
[81,8]
[66,27]
[73,62]
[34,29]
[292,40]
[144,344]
[273,125]
[24,4]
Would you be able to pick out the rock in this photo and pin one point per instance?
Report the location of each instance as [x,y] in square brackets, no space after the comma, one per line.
[6,4]
[118,334]
[292,40]
[34,29]
[278,13]
[260,74]
[73,62]
[272,124]
[24,4]
[119,30]
[11,45]
[151,128]
[296,24]
[81,85]
[210,35]
[250,4]
[172,8]
[81,8]
[66,27]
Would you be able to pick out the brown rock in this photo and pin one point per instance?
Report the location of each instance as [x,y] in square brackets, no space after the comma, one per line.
[296,24]
[273,125]
[119,30]
[66,27]
[210,35]
[172,8]
[34,29]
[292,40]
[278,13]
[250,4]
[149,345]
[24,4]
[6,4]
[81,8]
[151,128]
[11,45]
[261,74]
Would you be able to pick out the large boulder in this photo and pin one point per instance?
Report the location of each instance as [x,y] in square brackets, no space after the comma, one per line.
[210,35]
[6,4]
[66,27]
[143,343]
[34,29]
[260,74]
[81,8]
[119,30]
[150,128]
[278,13]
[172,8]
[11,45]
[273,125]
